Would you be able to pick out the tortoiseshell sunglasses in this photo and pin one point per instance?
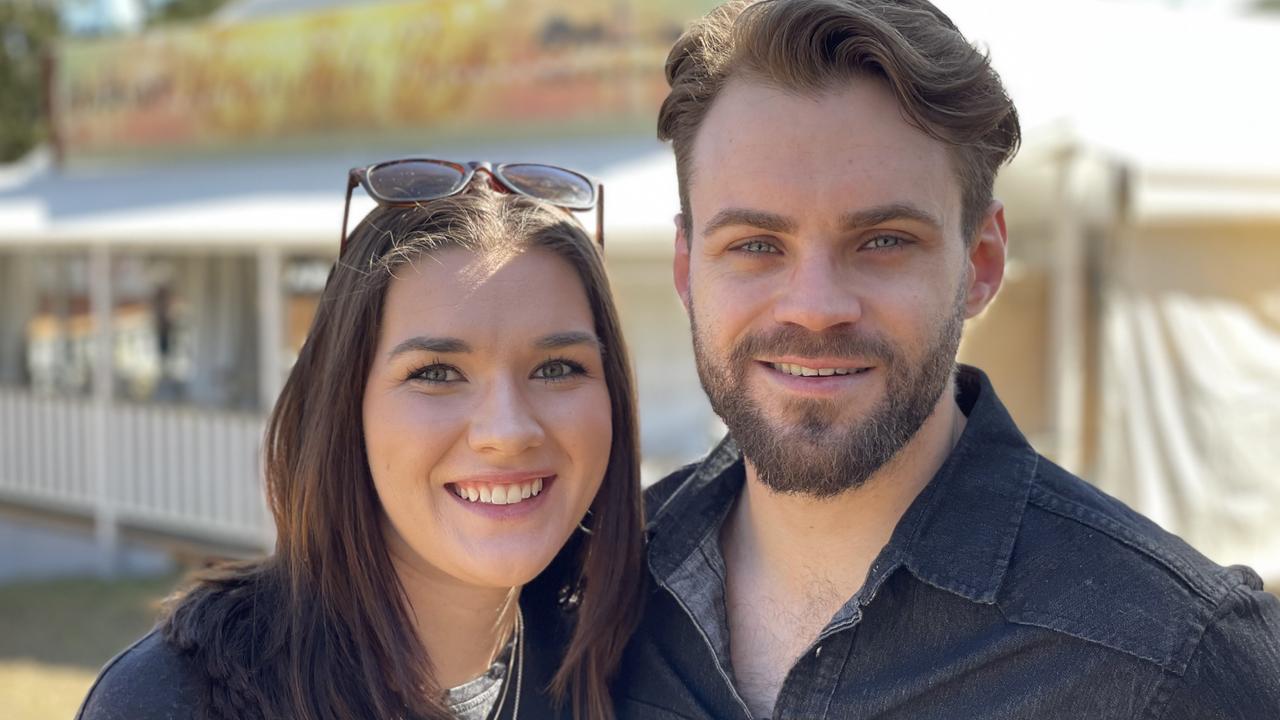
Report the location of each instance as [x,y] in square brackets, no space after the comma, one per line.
[409,181]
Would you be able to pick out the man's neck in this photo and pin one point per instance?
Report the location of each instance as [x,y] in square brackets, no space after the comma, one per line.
[793,537]
[793,561]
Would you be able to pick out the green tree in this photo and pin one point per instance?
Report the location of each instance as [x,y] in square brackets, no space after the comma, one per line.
[1266,6]
[27,33]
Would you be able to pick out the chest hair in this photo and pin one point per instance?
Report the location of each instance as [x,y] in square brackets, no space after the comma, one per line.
[769,632]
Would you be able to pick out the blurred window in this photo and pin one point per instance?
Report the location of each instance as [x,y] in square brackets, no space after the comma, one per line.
[184,327]
[304,279]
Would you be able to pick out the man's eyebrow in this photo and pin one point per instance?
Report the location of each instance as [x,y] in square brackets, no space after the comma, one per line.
[761,219]
[555,341]
[431,344]
[884,213]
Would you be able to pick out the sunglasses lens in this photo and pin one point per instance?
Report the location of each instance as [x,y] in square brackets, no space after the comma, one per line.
[412,180]
[555,185]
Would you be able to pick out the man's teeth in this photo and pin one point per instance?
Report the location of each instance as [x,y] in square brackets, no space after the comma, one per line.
[802,371]
[498,494]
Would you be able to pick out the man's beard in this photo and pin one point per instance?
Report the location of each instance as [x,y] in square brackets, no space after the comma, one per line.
[814,456]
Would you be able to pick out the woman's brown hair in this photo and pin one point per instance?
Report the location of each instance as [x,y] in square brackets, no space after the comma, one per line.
[321,628]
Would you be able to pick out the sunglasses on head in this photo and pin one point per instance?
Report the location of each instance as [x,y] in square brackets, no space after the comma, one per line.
[408,182]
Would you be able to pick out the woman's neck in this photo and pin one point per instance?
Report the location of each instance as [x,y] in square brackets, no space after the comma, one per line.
[462,627]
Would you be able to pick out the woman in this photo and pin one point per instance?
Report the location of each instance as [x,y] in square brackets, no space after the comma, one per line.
[452,468]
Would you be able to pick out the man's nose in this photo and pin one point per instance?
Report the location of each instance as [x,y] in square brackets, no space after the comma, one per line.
[818,294]
[505,422]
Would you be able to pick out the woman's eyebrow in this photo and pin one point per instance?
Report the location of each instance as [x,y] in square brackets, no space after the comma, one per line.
[565,339]
[431,344]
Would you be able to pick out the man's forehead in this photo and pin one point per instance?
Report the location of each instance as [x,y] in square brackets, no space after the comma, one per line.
[844,149]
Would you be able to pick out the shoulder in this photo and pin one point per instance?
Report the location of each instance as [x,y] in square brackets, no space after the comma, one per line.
[657,494]
[1234,673]
[1086,565]
[149,680]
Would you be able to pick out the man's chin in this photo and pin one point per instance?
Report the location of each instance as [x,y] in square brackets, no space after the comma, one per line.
[813,485]
[814,424]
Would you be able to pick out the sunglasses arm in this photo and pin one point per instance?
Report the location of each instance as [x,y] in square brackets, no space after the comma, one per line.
[346,209]
[600,215]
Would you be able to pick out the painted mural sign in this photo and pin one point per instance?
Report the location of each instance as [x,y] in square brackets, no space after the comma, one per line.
[450,65]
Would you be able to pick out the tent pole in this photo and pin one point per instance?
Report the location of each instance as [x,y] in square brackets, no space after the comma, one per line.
[1066,317]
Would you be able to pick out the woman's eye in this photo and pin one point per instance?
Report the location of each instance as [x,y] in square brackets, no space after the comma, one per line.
[437,374]
[883,241]
[557,370]
[758,247]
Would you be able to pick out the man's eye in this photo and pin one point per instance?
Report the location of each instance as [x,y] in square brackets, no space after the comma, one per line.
[557,370]
[758,246]
[437,374]
[883,241]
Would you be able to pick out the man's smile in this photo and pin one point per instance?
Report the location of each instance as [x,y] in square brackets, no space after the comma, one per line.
[815,378]
[815,370]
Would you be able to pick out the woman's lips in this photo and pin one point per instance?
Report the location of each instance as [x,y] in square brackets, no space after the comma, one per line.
[507,497]
[497,493]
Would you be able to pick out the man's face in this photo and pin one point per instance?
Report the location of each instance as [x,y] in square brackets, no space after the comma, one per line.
[827,280]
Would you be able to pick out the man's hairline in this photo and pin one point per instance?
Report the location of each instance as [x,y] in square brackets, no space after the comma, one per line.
[685,176]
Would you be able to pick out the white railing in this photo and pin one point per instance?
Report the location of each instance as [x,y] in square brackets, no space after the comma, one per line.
[193,473]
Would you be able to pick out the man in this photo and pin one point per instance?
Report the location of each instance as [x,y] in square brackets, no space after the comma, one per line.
[876,538]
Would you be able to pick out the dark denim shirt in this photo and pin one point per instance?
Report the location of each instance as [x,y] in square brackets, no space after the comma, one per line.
[1009,589]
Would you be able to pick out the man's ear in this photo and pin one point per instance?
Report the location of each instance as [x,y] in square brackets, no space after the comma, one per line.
[986,260]
[680,262]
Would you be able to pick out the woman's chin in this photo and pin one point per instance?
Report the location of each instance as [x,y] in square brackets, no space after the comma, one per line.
[506,562]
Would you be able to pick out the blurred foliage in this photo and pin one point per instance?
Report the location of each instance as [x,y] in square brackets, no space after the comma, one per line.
[27,32]
[183,10]
[1269,6]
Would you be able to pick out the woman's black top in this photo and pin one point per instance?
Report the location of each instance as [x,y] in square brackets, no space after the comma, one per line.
[153,680]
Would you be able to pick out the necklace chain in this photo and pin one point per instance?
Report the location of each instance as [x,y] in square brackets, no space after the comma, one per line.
[517,669]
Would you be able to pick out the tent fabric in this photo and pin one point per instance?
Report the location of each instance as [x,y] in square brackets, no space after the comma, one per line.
[1191,416]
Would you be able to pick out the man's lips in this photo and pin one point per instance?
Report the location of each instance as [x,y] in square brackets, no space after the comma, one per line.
[816,367]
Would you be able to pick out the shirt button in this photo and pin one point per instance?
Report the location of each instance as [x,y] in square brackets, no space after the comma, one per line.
[817,652]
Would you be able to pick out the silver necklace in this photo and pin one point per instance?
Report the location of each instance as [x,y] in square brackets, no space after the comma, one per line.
[517,666]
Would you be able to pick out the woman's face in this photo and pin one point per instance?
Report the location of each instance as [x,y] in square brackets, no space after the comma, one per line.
[486,415]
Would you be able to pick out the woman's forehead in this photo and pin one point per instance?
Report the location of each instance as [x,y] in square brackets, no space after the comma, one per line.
[486,298]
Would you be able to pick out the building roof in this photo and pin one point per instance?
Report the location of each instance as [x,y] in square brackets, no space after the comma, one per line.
[294,200]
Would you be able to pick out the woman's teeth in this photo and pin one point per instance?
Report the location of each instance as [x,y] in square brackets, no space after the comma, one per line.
[802,371]
[493,494]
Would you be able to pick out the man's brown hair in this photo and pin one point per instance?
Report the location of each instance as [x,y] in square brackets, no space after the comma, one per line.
[943,85]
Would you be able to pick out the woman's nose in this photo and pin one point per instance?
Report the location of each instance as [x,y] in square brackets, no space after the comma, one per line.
[505,422]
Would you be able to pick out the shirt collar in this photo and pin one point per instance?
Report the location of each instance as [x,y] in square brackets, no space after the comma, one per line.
[957,535]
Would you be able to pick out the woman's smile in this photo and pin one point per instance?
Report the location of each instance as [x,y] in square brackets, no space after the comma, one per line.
[506,502]
[504,489]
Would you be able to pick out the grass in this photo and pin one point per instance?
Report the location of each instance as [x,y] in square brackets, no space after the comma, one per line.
[56,635]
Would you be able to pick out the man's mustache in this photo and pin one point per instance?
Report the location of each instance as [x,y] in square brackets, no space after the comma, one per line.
[831,344]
